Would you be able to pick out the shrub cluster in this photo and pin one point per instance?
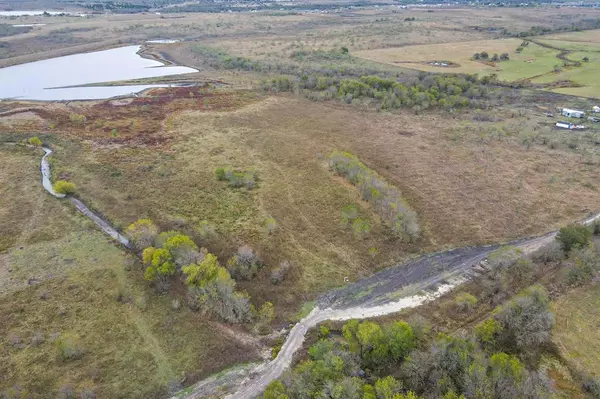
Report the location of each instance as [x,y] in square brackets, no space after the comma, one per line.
[391,362]
[429,91]
[237,178]
[279,273]
[386,199]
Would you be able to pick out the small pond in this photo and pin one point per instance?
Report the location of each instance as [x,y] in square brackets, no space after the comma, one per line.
[48,80]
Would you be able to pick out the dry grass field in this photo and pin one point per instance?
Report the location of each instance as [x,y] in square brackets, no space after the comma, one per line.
[472,176]
[63,281]
[470,182]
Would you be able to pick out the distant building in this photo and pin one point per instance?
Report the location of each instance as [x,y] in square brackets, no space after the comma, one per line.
[596,109]
[572,113]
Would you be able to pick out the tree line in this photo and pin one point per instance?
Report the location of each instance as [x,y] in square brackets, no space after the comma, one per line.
[424,92]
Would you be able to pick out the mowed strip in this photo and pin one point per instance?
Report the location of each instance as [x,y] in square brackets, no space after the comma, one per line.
[421,56]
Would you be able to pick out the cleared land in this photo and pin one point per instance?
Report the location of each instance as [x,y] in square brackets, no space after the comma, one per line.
[534,60]
[422,57]
[580,46]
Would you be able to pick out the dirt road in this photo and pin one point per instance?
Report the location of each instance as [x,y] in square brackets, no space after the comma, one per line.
[400,287]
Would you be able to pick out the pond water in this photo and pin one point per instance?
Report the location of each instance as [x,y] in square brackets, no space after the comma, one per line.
[21,13]
[162,41]
[47,80]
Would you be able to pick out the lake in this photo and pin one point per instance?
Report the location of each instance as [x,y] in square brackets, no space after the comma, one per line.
[46,80]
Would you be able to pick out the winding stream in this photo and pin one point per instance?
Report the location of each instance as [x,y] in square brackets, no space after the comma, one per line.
[81,207]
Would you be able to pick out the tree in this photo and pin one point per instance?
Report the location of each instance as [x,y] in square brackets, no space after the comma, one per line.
[476,56]
[244,264]
[586,59]
[387,387]
[495,58]
[484,55]
[526,321]
[265,316]
[369,392]
[487,332]
[276,390]
[183,249]
[64,187]
[320,349]
[507,375]
[573,236]
[142,233]
[159,266]
[349,331]
[214,289]
[205,272]
[504,57]
[400,339]
[374,349]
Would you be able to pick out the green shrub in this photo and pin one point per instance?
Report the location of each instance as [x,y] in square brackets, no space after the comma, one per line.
[271,225]
[35,141]
[584,266]
[68,348]
[503,257]
[64,187]
[77,119]
[465,302]
[573,236]
[360,228]
[220,174]
[349,213]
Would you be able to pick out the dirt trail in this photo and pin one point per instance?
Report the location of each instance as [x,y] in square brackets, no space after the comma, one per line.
[81,207]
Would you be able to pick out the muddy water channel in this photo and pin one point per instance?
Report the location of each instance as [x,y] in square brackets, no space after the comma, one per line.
[51,79]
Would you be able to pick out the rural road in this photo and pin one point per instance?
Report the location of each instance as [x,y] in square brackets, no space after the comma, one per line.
[403,286]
